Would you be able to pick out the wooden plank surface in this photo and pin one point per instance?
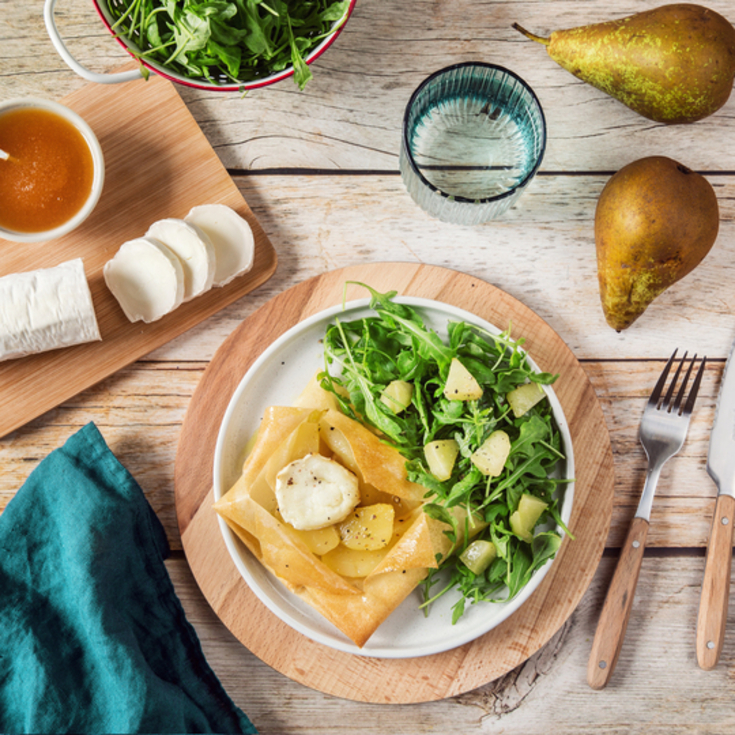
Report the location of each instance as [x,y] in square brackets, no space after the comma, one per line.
[319,171]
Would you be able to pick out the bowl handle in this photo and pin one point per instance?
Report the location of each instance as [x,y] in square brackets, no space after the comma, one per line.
[125,76]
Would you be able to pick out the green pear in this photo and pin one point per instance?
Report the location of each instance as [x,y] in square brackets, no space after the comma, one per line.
[672,64]
[655,222]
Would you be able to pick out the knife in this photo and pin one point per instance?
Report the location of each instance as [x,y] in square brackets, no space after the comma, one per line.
[721,468]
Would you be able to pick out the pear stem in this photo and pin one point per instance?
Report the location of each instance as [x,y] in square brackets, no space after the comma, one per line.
[532,36]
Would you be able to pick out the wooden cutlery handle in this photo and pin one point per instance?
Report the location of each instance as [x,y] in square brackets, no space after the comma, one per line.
[616,610]
[716,584]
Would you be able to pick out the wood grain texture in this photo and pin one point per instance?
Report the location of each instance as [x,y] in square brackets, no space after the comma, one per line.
[391,680]
[613,624]
[157,158]
[319,171]
[714,602]
[542,252]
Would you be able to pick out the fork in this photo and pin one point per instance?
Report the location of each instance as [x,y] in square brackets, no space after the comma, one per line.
[662,432]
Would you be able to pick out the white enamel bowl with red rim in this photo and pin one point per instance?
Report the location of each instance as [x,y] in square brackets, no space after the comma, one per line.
[172,76]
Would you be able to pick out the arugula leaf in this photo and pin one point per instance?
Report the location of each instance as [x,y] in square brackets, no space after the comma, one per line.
[302,73]
[463,487]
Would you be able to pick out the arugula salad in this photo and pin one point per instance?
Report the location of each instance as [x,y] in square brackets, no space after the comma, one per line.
[469,415]
[238,40]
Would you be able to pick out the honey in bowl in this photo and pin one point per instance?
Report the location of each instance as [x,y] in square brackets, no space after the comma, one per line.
[49,175]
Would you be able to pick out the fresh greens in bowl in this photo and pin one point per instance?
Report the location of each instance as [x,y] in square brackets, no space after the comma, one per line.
[213,43]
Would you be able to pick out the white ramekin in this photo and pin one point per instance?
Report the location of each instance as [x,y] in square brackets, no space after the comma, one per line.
[98,162]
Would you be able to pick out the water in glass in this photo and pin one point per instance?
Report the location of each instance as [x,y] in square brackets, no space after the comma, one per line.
[470,148]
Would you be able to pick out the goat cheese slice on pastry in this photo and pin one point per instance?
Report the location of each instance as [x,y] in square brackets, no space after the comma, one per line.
[315,492]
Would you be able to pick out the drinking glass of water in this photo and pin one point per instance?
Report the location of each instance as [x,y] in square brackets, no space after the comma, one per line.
[474,135]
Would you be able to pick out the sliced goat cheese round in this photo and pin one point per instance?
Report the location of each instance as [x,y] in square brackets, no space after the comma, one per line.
[233,240]
[146,278]
[194,249]
[315,492]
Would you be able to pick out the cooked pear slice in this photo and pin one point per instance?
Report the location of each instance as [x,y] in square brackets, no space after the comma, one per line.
[524,520]
[368,527]
[479,555]
[523,398]
[397,395]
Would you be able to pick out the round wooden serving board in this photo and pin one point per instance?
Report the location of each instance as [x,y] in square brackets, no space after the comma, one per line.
[393,680]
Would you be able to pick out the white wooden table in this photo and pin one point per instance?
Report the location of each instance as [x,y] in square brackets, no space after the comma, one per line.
[320,171]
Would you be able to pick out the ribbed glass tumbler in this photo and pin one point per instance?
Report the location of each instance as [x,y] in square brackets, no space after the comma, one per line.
[474,136]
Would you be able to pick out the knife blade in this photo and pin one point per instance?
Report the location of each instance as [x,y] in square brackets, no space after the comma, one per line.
[713,602]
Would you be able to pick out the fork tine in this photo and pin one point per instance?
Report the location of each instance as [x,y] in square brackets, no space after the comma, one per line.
[666,403]
[656,394]
[683,388]
[689,405]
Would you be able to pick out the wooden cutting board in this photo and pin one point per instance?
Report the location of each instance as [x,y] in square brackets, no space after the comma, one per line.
[393,680]
[157,164]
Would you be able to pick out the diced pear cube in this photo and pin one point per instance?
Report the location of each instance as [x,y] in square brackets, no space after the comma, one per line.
[441,455]
[478,556]
[523,520]
[525,397]
[397,395]
[368,528]
[490,457]
[461,384]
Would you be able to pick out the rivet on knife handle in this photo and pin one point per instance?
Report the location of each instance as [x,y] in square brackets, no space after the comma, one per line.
[716,584]
[616,610]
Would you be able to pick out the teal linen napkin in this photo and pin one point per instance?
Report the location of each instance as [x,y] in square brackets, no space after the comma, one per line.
[93,638]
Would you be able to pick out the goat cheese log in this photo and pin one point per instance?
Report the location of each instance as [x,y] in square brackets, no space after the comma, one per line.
[46,309]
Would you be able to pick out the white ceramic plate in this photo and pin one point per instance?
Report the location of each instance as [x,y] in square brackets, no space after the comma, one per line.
[277,378]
